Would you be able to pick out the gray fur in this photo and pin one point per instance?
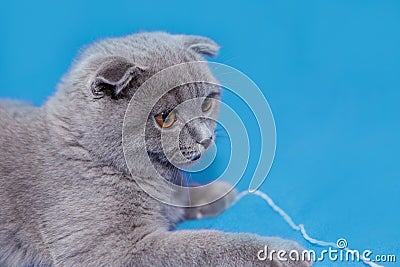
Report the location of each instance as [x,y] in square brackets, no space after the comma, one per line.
[67,197]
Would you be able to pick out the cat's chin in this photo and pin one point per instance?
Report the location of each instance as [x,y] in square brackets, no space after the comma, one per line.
[180,164]
[188,162]
[183,165]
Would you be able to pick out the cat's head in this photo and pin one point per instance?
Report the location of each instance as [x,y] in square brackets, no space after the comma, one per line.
[180,125]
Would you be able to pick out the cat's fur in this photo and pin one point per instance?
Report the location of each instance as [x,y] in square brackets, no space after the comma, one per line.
[67,196]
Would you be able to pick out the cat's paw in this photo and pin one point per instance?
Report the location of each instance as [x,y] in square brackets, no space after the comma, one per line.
[215,208]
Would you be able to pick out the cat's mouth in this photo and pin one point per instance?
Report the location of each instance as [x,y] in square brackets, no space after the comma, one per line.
[195,154]
[195,157]
[191,156]
[187,156]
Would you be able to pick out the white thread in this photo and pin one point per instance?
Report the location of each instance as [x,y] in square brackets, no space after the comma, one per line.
[300,228]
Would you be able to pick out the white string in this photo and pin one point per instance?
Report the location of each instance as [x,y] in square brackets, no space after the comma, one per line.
[300,228]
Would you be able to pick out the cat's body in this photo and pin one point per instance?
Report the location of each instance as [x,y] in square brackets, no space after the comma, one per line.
[67,197]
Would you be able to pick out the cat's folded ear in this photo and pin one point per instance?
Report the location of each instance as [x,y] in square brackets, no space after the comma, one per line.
[201,45]
[114,77]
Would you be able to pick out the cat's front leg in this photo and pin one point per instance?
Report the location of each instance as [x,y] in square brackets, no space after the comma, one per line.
[222,191]
[179,248]
[214,248]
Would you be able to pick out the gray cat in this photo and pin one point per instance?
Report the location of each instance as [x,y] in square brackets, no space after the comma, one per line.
[67,196]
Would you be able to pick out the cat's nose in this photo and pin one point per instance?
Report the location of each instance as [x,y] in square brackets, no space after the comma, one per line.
[200,133]
[206,142]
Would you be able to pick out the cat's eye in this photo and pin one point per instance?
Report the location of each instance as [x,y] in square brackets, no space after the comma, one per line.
[166,119]
[206,105]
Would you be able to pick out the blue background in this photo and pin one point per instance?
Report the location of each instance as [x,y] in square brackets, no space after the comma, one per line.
[329,69]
